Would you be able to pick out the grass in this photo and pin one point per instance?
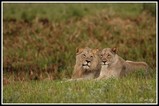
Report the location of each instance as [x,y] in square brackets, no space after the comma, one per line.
[39,43]
[64,11]
[124,90]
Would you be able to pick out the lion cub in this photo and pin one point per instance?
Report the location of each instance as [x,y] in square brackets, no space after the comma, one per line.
[115,66]
[87,64]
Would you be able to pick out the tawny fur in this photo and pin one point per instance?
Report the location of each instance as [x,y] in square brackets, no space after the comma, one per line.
[116,66]
[82,56]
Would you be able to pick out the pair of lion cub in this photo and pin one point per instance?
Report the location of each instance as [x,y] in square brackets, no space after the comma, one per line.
[95,64]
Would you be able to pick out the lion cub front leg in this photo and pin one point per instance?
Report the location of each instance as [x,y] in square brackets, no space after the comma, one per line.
[99,78]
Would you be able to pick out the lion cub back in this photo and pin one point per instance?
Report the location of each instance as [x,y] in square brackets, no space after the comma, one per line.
[132,66]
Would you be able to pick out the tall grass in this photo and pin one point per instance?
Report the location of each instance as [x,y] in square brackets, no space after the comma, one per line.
[39,43]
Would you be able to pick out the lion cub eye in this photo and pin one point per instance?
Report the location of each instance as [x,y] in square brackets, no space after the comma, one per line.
[108,55]
[83,55]
[101,55]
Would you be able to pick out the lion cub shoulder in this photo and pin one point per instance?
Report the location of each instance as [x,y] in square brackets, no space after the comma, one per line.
[113,65]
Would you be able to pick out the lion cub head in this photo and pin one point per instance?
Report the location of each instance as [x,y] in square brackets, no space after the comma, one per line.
[108,56]
[87,61]
[86,58]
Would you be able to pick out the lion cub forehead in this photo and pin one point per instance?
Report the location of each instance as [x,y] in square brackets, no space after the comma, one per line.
[90,51]
[87,50]
[106,50]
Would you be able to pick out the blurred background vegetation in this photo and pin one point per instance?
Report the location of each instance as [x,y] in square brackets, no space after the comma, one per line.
[39,40]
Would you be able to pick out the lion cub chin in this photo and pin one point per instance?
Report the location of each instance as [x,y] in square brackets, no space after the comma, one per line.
[87,64]
[113,65]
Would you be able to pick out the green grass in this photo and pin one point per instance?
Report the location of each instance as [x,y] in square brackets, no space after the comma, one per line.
[42,39]
[63,11]
[125,90]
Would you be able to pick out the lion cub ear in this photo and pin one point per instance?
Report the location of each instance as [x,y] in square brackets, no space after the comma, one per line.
[114,50]
[79,50]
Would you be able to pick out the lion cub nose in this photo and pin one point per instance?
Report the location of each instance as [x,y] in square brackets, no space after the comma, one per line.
[88,61]
[104,61]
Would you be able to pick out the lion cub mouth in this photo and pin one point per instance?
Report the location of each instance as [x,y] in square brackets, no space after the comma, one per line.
[104,63]
[86,65]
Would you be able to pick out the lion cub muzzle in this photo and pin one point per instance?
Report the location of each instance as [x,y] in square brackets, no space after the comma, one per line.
[86,64]
[104,62]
